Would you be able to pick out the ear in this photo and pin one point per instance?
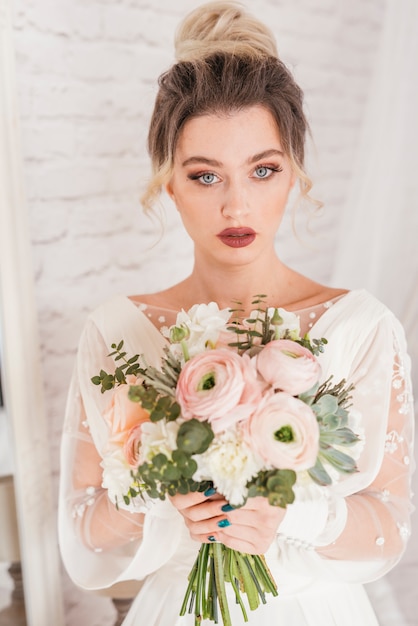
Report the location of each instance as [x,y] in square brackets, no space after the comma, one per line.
[169,189]
[293,179]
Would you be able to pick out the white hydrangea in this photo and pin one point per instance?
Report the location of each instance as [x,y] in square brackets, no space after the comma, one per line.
[230,464]
[158,437]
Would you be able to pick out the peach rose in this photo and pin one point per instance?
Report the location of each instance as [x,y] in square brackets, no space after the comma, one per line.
[122,414]
[218,386]
[284,432]
[132,445]
[288,366]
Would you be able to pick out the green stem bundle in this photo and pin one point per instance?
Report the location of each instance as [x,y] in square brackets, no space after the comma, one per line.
[216,565]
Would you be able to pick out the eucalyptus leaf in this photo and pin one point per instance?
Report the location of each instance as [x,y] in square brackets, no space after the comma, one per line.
[159,460]
[194,437]
[171,472]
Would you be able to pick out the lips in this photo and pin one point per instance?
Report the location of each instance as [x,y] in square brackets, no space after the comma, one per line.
[237,237]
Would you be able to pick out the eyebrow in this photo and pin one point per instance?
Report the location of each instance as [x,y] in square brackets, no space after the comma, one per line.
[214,163]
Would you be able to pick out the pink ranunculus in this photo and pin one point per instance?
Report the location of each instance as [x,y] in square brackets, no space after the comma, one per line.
[284,432]
[132,445]
[218,386]
[288,366]
[122,414]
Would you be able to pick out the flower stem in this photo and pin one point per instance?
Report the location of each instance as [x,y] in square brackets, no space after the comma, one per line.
[185,350]
[217,550]
[217,565]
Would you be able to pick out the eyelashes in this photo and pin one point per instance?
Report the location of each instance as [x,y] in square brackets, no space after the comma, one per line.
[205,178]
[268,170]
[208,178]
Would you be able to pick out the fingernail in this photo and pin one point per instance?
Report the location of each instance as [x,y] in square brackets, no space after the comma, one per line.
[210,492]
[211,538]
[224,523]
[227,507]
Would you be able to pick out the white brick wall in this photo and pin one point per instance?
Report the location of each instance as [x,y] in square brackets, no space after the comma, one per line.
[87,74]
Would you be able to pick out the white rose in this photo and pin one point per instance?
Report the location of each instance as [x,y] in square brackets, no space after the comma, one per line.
[204,322]
[291,323]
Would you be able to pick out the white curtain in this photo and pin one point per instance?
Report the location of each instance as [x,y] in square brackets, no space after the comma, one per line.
[378,239]
[378,246]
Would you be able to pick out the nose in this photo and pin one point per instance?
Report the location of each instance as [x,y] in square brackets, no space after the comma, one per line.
[235,201]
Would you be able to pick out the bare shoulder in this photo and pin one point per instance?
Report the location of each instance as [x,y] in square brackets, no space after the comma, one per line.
[310,293]
[165,299]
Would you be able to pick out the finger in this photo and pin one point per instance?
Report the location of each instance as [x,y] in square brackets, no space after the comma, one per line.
[182,502]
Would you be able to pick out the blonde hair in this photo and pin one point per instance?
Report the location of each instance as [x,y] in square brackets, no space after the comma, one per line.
[222,26]
[226,61]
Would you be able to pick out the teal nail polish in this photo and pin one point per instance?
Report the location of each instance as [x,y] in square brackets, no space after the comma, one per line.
[211,538]
[227,507]
[224,523]
[210,492]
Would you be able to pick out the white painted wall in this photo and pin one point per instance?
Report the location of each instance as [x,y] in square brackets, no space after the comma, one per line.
[87,74]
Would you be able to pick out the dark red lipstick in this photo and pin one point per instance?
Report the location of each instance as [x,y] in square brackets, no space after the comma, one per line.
[237,237]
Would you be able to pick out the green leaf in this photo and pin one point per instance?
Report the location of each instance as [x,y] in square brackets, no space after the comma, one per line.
[120,376]
[96,380]
[156,415]
[174,412]
[190,469]
[341,461]
[194,437]
[180,458]
[319,474]
[171,472]
[136,393]
[340,436]
[159,460]
[326,406]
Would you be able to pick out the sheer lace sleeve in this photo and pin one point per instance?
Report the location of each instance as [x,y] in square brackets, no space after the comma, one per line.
[359,528]
[97,522]
[101,544]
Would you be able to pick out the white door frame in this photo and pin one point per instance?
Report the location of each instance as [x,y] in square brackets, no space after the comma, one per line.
[21,364]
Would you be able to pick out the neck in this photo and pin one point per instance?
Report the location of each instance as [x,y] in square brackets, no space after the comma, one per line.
[227,286]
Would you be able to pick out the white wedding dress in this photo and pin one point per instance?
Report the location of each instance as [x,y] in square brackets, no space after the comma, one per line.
[331,540]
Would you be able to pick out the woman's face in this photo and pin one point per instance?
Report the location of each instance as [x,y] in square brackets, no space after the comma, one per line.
[230,183]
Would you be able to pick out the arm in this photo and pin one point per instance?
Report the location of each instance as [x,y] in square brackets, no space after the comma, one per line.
[98,523]
[101,545]
[368,525]
[364,521]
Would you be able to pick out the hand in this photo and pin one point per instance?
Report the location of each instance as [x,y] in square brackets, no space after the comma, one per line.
[250,528]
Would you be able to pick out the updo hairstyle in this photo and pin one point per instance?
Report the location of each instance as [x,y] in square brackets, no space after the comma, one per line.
[226,61]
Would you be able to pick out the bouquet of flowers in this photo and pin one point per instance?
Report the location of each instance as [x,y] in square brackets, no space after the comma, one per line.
[237,406]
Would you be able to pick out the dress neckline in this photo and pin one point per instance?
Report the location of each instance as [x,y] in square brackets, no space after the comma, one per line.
[309,316]
[326,304]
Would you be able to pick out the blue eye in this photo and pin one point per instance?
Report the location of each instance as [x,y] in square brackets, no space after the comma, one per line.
[207,179]
[263,172]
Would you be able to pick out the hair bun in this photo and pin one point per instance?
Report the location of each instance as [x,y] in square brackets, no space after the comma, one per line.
[222,27]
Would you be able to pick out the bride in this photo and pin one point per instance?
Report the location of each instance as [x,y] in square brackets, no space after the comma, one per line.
[227,143]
